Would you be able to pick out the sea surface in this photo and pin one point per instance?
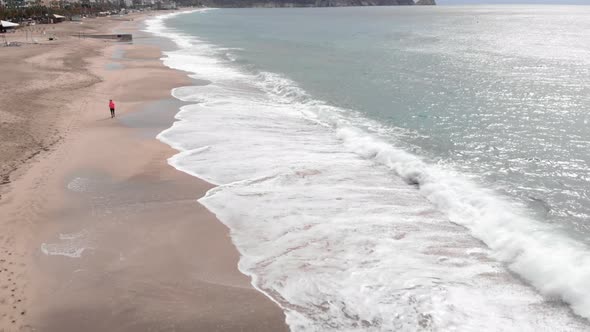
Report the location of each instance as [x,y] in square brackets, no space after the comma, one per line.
[396,168]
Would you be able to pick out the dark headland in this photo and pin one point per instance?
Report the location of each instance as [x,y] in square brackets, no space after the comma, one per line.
[425,2]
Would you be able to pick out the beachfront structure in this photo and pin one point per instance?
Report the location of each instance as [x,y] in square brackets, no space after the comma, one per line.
[58,18]
[5,25]
[143,3]
[166,4]
[18,3]
[162,4]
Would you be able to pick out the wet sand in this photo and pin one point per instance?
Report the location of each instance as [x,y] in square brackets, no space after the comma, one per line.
[101,233]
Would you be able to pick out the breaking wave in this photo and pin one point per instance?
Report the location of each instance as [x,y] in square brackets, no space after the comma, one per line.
[346,231]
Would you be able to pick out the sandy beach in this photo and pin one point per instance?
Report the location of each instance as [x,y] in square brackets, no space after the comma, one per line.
[99,232]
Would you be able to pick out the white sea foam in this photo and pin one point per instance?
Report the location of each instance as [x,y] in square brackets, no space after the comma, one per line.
[348,232]
[70,245]
[80,184]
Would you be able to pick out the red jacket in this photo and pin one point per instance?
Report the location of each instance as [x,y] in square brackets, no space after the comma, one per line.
[111,105]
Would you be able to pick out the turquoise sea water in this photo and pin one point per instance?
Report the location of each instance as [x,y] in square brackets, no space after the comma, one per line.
[500,92]
[373,148]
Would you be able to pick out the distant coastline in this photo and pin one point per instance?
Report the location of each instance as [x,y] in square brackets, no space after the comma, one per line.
[311,3]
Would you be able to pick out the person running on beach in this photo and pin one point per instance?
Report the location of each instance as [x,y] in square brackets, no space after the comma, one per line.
[112,107]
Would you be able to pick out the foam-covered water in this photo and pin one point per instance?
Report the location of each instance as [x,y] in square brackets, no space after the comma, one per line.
[345,229]
[70,245]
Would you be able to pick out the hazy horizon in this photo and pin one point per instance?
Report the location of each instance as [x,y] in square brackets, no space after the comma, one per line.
[491,2]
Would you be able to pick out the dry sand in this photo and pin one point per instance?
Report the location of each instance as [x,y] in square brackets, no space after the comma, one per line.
[150,257]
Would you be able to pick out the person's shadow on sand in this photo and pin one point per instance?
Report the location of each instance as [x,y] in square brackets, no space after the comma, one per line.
[104,119]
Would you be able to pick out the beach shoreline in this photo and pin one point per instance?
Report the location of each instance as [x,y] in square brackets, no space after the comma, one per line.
[333,210]
[104,235]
